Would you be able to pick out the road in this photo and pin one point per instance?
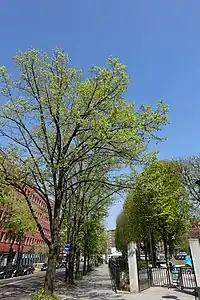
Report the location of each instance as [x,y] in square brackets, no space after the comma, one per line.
[21,287]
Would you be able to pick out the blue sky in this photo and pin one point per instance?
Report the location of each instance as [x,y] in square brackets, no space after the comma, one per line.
[158,40]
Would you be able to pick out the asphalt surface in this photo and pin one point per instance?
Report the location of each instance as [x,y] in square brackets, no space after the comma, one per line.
[21,287]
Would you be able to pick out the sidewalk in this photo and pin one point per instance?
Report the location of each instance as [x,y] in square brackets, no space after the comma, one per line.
[97,286]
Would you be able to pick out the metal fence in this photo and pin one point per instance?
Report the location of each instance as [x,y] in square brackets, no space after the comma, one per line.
[182,277]
[143,275]
[119,274]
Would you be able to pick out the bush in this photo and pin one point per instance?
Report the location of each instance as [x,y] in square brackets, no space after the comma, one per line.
[40,295]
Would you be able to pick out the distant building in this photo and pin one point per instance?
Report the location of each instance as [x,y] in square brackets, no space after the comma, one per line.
[111,240]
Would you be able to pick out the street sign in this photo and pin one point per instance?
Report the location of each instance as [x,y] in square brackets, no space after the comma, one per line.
[67,248]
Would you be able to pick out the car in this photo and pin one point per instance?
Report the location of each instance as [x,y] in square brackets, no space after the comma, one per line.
[28,269]
[2,272]
[44,267]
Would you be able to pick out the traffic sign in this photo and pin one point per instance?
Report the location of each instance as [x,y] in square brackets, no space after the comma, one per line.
[67,248]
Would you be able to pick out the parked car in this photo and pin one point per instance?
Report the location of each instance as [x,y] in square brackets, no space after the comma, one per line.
[62,265]
[44,267]
[13,271]
[28,269]
[2,272]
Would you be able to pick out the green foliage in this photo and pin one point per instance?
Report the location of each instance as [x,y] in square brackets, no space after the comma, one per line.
[68,136]
[190,168]
[40,295]
[17,217]
[123,232]
[160,202]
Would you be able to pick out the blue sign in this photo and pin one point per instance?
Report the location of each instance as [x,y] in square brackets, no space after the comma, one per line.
[188,260]
[67,248]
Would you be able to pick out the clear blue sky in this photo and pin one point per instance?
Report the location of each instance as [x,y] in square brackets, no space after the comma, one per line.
[158,40]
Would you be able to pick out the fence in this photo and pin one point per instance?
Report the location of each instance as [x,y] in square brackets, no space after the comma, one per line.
[119,274]
[183,277]
[143,275]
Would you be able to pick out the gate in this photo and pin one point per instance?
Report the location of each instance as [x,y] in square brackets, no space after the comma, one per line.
[143,275]
[183,278]
[118,268]
[114,274]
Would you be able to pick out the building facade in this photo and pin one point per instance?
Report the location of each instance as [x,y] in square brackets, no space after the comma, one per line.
[111,239]
[31,240]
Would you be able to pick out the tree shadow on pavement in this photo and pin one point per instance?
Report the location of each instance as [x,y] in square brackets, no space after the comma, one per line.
[170,297]
[91,287]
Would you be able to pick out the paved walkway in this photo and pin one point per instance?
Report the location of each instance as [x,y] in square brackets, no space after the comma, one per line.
[97,286]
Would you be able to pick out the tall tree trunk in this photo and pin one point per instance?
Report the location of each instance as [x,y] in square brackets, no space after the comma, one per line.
[85,262]
[88,263]
[154,258]
[67,268]
[51,270]
[18,254]
[77,262]
[166,252]
[71,259]
[138,251]
[10,254]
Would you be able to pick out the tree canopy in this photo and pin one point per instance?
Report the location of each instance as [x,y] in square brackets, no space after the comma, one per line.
[158,204]
[54,120]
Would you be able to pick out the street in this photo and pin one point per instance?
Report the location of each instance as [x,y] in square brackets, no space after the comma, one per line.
[21,287]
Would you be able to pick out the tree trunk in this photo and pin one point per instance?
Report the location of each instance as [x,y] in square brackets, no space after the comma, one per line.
[77,263]
[18,254]
[51,270]
[88,263]
[154,258]
[69,277]
[166,252]
[84,263]
[138,251]
[10,254]
[67,268]
[71,269]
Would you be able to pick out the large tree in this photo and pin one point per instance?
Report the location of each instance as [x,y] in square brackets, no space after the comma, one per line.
[53,119]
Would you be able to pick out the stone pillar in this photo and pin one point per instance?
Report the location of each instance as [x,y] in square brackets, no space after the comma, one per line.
[195,253]
[133,270]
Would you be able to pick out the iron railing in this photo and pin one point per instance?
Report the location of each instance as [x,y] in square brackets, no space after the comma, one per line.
[119,274]
[182,277]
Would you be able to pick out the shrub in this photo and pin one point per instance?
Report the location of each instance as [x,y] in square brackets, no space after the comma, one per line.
[40,295]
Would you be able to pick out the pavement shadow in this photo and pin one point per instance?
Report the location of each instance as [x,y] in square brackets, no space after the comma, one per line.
[91,287]
[170,297]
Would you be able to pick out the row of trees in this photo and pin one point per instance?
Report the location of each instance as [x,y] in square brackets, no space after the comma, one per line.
[156,209]
[68,137]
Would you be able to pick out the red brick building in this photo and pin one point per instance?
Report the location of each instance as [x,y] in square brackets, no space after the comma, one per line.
[30,239]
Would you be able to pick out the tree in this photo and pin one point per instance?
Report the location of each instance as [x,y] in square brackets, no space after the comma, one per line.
[55,120]
[158,205]
[123,233]
[191,175]
[17,219]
